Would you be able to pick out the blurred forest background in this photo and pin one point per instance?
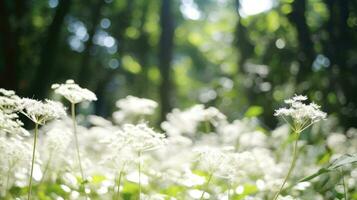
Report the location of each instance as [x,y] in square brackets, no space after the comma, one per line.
[242,56]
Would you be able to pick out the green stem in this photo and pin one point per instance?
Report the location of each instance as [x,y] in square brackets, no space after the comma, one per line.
[229,190]
[295,155]
[118,184]
[139,168]
[46,167]
[206,186]
[8,179]
[33,161]
[344,185]
[73,111]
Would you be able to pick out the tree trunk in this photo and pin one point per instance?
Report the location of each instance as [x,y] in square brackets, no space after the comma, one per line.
[306,53]
[86,70]
[165,56]
[123,20]
[143,43]
[46,69]
[8,40]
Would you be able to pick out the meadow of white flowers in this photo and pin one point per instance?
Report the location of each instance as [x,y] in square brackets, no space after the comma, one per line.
[200,154]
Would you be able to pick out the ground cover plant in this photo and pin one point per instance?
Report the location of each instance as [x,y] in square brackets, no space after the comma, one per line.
[196,153]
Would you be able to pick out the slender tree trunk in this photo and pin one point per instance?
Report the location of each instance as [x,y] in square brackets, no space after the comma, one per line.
[46,68]
[123,20]
[165,56]
[245,50]
[337,48]
[306,53]
[242,43]
[143,42]
[8,40]
[86,69]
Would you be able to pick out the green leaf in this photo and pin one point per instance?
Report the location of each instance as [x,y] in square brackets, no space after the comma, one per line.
[343,160]
[339,162]
[312,176]
[254,111]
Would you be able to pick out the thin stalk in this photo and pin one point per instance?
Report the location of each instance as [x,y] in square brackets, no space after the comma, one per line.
[295,155]
[8,179]
[46,167]
[117,195]
[33,161]
[344,185]
[73,111]
[206,186]
[139,168]
[229,190]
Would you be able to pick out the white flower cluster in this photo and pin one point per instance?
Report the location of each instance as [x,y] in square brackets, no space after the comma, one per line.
[131,108]
[302,115]
[119,153]
[186,122]
[73,92]
[41,112]
[57,140]
[286,198]
[14,151]
[9,106]
[15,154]
[211,158]
[9,123]
[141,138]
[9,101]
[243,159]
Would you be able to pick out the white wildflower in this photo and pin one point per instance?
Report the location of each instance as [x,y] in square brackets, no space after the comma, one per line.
[135,105]
[187,121]
[99,121]
[214,116]
[302,115]
[41,112]
[73,92]
[132,108]
[252,139]
[15,154]
[57,140]
[337,142]
[210,158]
[9,106]
[9,102]
[190,179]
[286,198]
[10,123]
[142,138]
[119,154]
[14,151]
[196,194]
[182,122]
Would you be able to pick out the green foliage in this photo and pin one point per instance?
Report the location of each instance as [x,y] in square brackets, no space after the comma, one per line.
[340,162]
[254,111]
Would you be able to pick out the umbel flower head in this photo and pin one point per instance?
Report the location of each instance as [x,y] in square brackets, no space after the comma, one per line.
[300,115]
[41,112]
[73,92]
[141,138]
[9,106]
[135,105]
[211,158]
[133,108]
[10,123]
[9,101]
